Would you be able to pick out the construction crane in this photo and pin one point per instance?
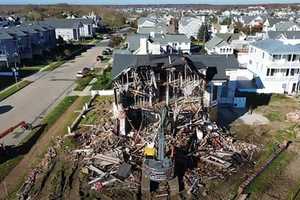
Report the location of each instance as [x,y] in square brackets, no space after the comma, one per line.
[158,170]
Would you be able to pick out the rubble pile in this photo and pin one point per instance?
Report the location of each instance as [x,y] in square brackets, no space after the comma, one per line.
[114,151]
[40,171]
[201,150]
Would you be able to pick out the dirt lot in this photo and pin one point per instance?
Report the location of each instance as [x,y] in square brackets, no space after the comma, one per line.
[15,178]
[280,180]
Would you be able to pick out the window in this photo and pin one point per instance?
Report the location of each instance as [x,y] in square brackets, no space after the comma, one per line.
[268,72]
[292,72]
[250,62]
[215,93]
[285,57]
[289,57]
[272,72]
[263,55]
[287,72]
[276,57]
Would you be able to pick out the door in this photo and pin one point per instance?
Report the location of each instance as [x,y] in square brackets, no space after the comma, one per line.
[294,88]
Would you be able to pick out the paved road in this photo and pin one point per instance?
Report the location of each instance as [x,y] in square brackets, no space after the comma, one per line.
[33,101]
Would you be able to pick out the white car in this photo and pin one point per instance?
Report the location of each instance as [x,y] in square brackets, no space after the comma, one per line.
[82,73]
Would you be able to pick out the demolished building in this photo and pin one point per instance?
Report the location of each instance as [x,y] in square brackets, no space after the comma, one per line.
[144,85]
[158,130]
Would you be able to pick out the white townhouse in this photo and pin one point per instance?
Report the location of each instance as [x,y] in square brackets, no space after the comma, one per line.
[155,43]
[277,64]
[190,25]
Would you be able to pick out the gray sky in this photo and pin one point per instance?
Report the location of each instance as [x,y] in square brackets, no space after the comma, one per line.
[144,1]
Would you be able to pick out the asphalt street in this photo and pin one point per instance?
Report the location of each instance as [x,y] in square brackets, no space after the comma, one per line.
[48,88]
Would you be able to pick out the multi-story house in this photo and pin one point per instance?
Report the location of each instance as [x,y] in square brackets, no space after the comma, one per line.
[8,50]
[277,64]
[155,43]
[190,25]
[22,41]
[147,25]
[67,29]
[225,44]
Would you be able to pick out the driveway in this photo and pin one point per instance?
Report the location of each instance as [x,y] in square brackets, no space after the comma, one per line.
[35,100]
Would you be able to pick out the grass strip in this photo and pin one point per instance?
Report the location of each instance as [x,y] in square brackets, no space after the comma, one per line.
[13,89]
[53,66]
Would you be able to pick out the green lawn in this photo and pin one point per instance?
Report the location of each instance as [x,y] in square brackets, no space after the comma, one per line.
[263,181]
[59,110]
[13,89]
[104,81]
[53,66]
[83,82]
[7,166]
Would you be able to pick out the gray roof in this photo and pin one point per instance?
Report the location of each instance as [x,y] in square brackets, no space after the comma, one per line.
[214,42]
[284,26]
[228,36]
[286,34]
[276,47]
[272,21]
[163,39]
[62,23]
[14,31]
[27,29]
[187,19]
[156,29]
[4,35]
[143,19]
[221,62]
[122,61]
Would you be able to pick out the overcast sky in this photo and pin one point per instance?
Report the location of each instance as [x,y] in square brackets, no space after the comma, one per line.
[145,1]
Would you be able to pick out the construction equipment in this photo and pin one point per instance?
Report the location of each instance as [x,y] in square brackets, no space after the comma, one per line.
[157,168]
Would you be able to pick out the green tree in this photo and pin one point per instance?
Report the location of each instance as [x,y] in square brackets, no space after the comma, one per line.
[226,21]
[115,41]
[203,33]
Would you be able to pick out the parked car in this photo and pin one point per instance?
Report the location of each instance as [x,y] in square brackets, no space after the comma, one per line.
[109,50]
[105,53]
[99,58]
[105,37]
[82,73]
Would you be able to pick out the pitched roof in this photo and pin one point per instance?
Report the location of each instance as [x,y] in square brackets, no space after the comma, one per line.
[163,39]
[284,26]
[272,21]
[155,29]
[4,35]
[227,36]
[188,19]
[286,34]
[123,61]
[15,32]
[221,62]
[214,42]
[276,47]
[62,23]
